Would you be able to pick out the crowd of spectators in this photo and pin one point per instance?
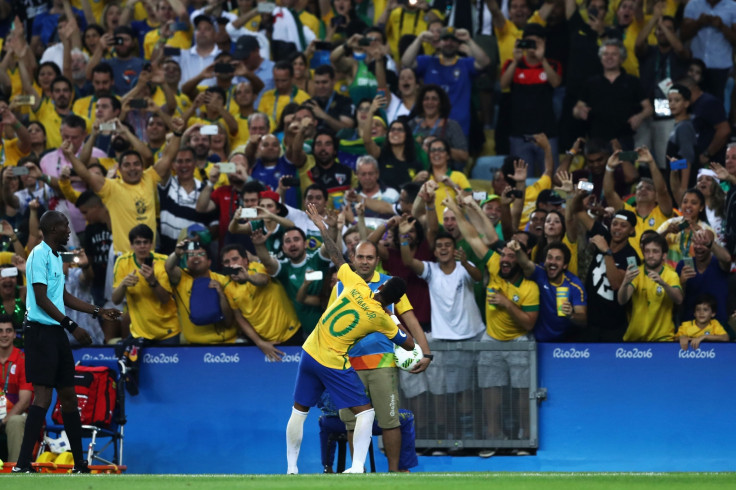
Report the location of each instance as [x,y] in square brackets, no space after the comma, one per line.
[183,139]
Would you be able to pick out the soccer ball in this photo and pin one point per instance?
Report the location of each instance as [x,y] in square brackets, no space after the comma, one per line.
[407,359]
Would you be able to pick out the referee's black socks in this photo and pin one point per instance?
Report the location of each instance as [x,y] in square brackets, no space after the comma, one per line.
[73,428]
[34,422]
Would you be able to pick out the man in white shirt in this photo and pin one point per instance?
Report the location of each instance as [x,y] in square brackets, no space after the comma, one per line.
[202,54]
[455,317]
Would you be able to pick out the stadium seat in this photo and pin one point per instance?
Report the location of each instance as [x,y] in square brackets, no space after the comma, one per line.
[485,167]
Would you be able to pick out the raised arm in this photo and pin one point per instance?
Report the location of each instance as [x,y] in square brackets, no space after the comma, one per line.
[609,192]
[94,181]
[467,230]
[259,242]
[331,247]
[527,266]
[370,146]
[407,256]
[172,263]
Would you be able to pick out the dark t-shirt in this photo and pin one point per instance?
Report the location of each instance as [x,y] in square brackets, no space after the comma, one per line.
[611,105]
[713,281]
[335,106]
[97,243]
[395,172]
[603,308]
[583,61]
[655,66]
[417,289]
[531,93]
[125,73]
[336,178]
[707,112]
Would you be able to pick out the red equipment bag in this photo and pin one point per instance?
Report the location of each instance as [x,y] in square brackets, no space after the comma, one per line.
[96,396]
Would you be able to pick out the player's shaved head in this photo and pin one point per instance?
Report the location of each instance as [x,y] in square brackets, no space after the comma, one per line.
[50,219]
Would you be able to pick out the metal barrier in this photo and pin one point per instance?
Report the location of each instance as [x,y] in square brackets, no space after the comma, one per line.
[455,409]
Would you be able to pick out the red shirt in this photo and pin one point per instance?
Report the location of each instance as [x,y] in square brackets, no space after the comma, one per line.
[417,289]
[227,200]
[14,371]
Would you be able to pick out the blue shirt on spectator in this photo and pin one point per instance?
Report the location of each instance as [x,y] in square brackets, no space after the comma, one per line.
[44,267]
[713,281]
[550,327]
[270,176]
[125,73]
[455,79]
[45,25]
[709,44]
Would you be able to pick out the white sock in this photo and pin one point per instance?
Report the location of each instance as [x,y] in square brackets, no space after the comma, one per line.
[294,433]
[362,439]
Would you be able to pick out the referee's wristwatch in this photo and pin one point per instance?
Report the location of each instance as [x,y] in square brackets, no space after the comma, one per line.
[429,356]
[96,312]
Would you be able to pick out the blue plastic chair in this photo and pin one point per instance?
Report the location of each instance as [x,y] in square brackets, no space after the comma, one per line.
[485,167]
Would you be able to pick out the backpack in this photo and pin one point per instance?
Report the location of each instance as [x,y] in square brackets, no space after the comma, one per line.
[96,396]
[204,303]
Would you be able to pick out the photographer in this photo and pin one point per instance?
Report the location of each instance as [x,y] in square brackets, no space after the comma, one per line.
[122,48]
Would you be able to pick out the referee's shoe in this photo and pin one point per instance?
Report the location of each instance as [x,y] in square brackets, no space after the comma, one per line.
[18,469]
[80,468]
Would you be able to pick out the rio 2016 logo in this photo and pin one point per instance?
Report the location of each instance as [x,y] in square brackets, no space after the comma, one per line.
[221,358]
[634,353]
[696,354]
[571,353]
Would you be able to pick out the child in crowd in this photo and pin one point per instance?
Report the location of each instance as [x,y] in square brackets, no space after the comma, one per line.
[704,327]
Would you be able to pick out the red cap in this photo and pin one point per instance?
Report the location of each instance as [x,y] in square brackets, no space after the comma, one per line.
[270,195]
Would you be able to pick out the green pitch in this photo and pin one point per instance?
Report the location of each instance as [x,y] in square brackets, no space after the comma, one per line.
[413,481]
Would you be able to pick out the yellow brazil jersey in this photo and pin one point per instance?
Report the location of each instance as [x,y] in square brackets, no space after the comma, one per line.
[373,353]
[86,107]
[243,135]
[352,316]
[130,205]
[400,23]
[204,174]
[202,334]
[681,243]
[650,222]
[267,308]
[651,308]
[530,198]
[97,7]
[524,294]
[253,24]
[180,39]
[272,104]
[311,21]
[148,317]
[10,153]
[182,100]
[692,330]
[443,190]
[69,192]
[507,37]
[573,265]
[51,120]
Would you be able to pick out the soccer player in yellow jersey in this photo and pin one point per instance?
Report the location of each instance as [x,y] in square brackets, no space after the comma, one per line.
[654,290]
[140,277]
[324,363]
[704,327]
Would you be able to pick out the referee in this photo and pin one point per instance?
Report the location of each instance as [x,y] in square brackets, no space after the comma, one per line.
[49,360]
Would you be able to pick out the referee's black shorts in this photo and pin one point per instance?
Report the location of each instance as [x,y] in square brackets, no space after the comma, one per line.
[49,359]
